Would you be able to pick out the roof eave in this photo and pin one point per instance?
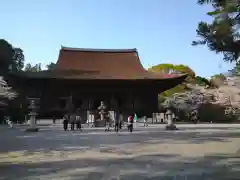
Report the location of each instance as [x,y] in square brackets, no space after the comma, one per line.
[64,48]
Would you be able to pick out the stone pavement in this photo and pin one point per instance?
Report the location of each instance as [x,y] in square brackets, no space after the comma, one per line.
[194,152]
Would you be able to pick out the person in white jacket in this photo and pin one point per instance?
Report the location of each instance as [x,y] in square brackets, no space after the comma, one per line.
[145,123]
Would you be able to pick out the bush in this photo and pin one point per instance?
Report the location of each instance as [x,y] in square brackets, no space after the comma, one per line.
[16,112]
[215,113]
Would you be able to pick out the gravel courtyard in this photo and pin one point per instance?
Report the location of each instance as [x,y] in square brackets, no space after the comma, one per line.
[194,152]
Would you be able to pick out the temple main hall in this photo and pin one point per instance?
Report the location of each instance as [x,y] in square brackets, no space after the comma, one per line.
[82,78]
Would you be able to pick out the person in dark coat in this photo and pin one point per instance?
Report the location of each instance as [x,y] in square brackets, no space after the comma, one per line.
[78,122]
[72,121]
[120,120]
[65,123]
[54,119]
[116,119]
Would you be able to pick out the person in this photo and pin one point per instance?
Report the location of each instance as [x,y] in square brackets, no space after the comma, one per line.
[145,123]
[72,121]
[130,123]
[116,119]
[78,122]
[120,120]
[65,123]
[54,119]
[194,116]
[135,117]
[108,123]
[9,122]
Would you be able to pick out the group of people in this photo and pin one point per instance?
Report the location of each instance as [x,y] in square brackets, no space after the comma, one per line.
[73,120]
[119,123]
[76,120]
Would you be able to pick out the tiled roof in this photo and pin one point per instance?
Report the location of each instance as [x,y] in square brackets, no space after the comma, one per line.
[103,64]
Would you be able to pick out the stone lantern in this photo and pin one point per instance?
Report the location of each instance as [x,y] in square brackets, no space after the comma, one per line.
[32,115]
[169,118]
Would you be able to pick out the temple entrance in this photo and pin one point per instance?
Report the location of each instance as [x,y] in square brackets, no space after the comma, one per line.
[62,103]
[96,103]
[78,103]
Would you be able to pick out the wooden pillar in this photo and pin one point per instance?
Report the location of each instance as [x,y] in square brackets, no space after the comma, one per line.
[133,102]
[113,103]
[69,105]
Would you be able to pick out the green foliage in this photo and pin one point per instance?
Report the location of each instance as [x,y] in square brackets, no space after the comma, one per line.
[18,60]
[170,68]
[162,68]
[31,68]
[11,59]
[50,66]
[202,81]
[17,114]
[219,76]
[6,54]
[217,80]
[184,69]
[236,70]
[191,79]
[176,89]
[215,113]
[222,35]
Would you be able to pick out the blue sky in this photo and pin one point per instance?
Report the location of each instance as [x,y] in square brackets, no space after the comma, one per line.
[162,31]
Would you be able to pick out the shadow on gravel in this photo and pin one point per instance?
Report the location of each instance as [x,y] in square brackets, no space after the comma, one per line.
[157,167]
[15,140]
[220,167]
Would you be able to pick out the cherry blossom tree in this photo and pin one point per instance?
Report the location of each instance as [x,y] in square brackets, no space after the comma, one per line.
[6,92]
[188,100]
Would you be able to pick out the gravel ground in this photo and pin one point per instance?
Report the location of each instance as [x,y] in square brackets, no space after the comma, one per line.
[194,152]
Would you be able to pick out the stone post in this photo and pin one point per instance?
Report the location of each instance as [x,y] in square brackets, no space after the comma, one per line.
[169,117]
[153,117]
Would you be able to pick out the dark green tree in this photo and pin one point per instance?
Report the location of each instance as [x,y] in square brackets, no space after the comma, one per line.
[11,58]
[235,71]
[222,35]
[31,68]
[18,60]
[6,54]
[202,81]
[50,66]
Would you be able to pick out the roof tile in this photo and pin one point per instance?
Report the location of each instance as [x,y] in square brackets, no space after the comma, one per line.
[104,64]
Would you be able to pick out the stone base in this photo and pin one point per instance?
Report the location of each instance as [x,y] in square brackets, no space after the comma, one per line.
[99,123]
[32,130]
[171,127]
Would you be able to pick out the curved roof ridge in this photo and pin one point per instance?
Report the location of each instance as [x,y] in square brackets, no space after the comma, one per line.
[97,50]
